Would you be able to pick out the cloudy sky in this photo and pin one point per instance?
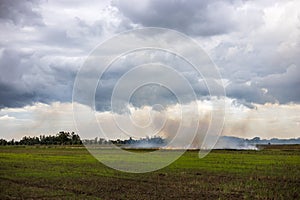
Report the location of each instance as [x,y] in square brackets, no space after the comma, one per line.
[255,44]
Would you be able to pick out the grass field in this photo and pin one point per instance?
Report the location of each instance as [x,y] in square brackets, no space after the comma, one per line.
[72,173]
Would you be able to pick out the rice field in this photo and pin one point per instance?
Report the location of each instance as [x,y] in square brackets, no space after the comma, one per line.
[64,172]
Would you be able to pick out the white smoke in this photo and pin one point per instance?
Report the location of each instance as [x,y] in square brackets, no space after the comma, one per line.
[266,121]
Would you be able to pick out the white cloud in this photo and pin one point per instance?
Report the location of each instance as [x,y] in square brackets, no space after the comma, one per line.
[266,121]
[36,119]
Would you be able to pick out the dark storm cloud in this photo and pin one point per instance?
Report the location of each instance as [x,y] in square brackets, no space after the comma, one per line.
[249,60]
[191,17]
[151,93]
[24,80]
[280,87]
[14,97]
[21,13]
[248,94]
[284,87]
[38,61]
[39,56]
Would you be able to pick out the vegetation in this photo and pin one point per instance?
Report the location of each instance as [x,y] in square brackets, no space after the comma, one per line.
[66,138]
[141,143]
[70,172]
[62,138]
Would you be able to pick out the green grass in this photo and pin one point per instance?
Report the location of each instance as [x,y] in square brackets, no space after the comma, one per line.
[72,173]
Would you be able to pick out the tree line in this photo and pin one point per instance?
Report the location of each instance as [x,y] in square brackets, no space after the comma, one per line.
[61,138]
[154,141]
[67,138]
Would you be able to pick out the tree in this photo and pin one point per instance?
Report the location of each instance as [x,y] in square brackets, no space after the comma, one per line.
[62,138]
[3,142]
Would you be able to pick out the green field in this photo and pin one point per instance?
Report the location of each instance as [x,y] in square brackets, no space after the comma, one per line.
[72,173]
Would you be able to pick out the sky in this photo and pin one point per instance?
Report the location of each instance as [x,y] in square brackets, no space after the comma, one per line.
[255,44]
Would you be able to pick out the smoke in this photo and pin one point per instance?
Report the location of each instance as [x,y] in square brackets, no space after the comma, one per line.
[227,142]
[267,121]
[175,123]
[191,138]
[180,125]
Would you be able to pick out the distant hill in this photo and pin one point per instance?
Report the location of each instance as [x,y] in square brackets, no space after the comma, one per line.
[230,142]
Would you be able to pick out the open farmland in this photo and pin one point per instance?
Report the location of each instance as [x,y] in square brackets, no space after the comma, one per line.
[56,172]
